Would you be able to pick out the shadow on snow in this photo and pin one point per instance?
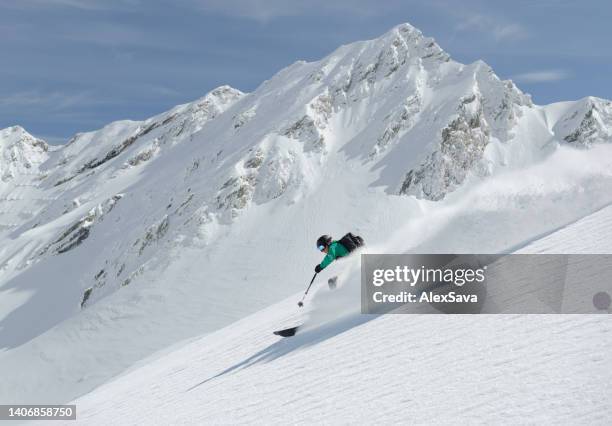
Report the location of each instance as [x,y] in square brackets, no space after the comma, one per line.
[302,339]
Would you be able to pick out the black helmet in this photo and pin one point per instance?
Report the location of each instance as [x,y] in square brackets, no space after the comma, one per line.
[324,240]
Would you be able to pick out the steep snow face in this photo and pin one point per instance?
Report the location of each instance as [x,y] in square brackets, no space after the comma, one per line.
[189,220]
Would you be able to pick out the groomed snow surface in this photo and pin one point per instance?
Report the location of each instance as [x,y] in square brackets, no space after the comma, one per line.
[453,369]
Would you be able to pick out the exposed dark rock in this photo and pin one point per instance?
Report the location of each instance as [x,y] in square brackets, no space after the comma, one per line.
[154,233]
[75,239]
[306,130]
[86,295]
[255,161]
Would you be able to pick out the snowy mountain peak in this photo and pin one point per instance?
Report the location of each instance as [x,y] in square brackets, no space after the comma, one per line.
[403,45]
[16,134]
[20,152]
[224,93]
[588,122]
[410,37]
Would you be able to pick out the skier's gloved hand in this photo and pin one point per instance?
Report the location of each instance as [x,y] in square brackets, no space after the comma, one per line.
[318,269]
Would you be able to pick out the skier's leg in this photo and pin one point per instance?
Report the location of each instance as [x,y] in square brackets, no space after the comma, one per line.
[332,282]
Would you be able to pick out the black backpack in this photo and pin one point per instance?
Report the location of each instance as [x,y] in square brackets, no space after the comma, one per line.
[351,242]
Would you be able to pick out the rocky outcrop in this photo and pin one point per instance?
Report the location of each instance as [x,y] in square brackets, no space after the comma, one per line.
[590,123]
[306,130]
[461,147]
[154,233]
[79,231]
[398,122]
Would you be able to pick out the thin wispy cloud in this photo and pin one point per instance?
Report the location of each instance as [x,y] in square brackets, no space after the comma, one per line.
[509,32]
[55,100]
[165,91]
[267,10]
[114,35]
[544,76]
[95,33]
[494,26]
[85,5]
[257,10]
[54,104]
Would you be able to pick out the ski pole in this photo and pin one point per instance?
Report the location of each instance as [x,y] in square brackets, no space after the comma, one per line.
[301,302]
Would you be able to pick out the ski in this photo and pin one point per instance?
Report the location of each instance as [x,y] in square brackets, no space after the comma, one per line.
[288,332]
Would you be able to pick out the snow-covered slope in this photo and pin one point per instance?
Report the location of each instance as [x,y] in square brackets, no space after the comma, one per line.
[98,211]
[395,369]
[506,369]
[136,236]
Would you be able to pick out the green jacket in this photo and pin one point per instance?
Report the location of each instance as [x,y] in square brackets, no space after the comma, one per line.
[334,251]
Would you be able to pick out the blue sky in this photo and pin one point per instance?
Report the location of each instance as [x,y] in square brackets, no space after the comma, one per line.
[75,65]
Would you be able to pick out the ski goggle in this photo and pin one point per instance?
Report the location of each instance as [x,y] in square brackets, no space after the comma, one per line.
[321,248]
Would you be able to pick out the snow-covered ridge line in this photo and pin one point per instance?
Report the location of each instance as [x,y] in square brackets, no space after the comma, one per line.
[187,118]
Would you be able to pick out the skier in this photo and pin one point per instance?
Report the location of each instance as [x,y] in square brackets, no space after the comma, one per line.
[335,249]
